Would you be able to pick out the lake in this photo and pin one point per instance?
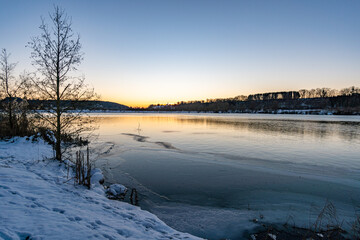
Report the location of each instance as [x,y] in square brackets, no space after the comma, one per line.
[221,175]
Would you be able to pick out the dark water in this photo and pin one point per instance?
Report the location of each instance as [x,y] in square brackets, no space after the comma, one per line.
[212,174]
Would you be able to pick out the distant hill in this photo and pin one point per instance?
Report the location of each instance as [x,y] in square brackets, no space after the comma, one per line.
[83,105]
[112,106]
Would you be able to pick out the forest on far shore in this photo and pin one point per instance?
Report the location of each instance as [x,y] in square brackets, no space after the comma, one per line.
[315,101]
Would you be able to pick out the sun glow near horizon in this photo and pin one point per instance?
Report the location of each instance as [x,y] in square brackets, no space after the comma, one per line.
[152,95]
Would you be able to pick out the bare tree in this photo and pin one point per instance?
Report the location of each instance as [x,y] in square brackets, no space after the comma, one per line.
[7,79]
[56,53]
[349,91]
[12,90]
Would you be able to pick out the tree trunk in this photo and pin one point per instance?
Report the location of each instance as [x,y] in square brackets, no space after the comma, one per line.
[58,134]
[58,123]
[11,124]
[58,117]
[58,100]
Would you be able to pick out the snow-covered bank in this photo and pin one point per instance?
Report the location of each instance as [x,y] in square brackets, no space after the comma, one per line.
[38,202]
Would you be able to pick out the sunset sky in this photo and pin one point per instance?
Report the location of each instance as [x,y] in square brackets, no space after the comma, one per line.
[143,52]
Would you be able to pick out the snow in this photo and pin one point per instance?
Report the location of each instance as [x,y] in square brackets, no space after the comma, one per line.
[38,201]
[272,236]
[96,176]
[117,189]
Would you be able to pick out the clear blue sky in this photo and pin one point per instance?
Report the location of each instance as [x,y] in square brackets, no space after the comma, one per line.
[142,52]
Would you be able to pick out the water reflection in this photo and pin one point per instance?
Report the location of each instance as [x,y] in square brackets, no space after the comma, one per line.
[346,130]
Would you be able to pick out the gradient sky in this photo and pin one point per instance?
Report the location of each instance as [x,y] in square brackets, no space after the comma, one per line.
[142,52]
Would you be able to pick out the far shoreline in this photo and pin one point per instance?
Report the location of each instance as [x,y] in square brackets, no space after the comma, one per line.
[314,112]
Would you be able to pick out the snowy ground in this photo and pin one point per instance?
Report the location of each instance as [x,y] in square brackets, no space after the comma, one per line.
[37,202]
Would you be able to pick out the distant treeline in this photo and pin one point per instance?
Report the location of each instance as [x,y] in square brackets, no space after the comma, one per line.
[345,101]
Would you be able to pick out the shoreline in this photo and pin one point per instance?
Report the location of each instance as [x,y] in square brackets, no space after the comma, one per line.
[39,201]
[321,112]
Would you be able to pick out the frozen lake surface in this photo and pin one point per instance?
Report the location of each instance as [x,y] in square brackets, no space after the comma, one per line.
[212,174]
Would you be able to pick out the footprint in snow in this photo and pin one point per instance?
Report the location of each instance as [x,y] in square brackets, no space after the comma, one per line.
[4,187]
[108,237]
[75,219]
[99,222]
[58,210]
[31,198]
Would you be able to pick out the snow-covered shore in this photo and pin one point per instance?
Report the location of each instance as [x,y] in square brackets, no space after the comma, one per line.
[37,202]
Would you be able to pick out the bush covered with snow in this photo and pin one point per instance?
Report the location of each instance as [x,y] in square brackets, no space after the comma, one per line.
[116,189]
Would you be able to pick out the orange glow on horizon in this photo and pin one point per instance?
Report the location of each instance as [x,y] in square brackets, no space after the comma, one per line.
[135,104]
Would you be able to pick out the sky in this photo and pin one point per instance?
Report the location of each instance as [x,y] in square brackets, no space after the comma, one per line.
[142,52]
